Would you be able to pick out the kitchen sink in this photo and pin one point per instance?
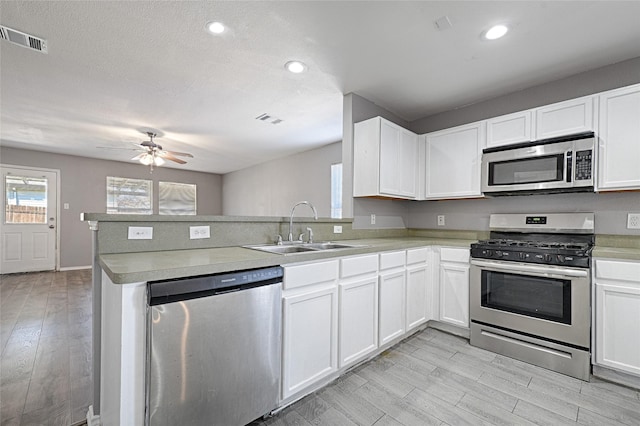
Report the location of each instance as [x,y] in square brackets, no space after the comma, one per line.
[302,247]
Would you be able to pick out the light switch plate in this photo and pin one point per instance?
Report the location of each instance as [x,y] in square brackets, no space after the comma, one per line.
[633,221]
[337,229]
[199,232]
[373,219]
[140,232]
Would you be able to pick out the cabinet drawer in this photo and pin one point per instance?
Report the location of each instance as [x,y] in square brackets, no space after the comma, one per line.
[618,270]
[454,255]
[393,259]
[417,256]
[359,265]
[309,274]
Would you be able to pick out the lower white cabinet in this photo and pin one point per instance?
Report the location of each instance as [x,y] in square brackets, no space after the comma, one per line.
[617,315]
[418,279]
[454,286]
[309,325]
[392,296]
[358,319]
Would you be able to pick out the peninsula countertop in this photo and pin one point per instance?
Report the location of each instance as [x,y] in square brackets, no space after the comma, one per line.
[124,268]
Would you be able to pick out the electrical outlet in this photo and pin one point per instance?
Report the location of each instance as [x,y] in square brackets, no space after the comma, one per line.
[337,229]
[633,221]
[198,232]
[65,206]
[373,219]
[441,221]
[140,232]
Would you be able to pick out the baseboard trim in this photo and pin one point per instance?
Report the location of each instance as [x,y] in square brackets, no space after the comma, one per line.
[615,376]
[74,268]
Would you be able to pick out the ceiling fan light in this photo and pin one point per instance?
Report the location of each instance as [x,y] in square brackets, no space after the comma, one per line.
[146,159]
[158,161]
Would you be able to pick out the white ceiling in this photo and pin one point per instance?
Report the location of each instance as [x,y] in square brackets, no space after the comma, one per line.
[115,67]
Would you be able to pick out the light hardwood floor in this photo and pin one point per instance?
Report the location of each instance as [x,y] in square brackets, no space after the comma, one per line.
[432,378]
[45,339]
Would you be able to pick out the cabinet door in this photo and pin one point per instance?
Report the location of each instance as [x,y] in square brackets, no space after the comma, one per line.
[453,162]
[392,306]
[619,149]
[618,326]
[565,118]
[417,282]
[509,129]
[358,319]
[398,160]
[309,338]
[454,294]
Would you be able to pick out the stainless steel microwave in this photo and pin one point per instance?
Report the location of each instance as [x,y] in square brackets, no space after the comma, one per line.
[564,164]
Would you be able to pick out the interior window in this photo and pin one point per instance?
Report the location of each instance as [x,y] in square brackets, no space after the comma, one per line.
[129,196]
[177,198]
[336,191]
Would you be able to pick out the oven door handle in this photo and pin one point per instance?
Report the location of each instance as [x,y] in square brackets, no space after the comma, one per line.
[535,269]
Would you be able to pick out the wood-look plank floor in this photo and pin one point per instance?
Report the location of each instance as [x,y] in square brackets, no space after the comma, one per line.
[434,378]
[45,343]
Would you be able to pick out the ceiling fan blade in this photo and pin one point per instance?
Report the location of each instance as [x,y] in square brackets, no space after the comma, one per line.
[168,156]
[119,148]
[139,156]
[182,154]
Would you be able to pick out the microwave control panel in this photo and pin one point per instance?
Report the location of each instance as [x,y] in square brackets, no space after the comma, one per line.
[584,161]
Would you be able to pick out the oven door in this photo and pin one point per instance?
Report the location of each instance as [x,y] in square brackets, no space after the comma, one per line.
[550,302]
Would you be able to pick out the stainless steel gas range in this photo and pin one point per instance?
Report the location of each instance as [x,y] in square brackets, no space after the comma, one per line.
[530,290]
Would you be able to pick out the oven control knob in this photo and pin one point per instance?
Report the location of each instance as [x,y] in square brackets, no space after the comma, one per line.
[498,253]
[560,258]
[522,256]
[548,258]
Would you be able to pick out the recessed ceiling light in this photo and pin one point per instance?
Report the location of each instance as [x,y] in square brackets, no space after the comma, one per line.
[215,27]
[496,32]
[295,67]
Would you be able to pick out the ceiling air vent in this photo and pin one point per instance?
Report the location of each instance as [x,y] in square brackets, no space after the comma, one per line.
[23,39]
[268,118]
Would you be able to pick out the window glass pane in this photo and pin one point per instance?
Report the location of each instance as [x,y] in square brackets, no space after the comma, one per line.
[176,198]
[129,196]
[336,191]
[26,199]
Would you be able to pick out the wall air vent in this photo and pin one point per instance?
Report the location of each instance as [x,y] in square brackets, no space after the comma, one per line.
[23,39]
[269,118]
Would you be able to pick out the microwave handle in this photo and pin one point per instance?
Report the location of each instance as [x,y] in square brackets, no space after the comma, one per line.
[569,168]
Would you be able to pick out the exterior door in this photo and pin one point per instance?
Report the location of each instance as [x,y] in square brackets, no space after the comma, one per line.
[29,220]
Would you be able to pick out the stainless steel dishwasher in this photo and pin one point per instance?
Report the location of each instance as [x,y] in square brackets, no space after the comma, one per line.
[213,348]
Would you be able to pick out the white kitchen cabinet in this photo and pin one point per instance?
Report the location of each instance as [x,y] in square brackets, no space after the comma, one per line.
[392,315]
[309,325]
[617,315]
[452,162]
[565,118]
[619,139]
[417,298]
[454,286]
[358,308]
[509,129]
[385,160]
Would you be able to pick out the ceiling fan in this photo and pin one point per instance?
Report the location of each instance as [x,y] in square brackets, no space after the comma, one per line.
[152,153]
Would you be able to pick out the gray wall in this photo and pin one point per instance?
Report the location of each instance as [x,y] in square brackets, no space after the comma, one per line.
[272,188]
[389,214]
[83,186]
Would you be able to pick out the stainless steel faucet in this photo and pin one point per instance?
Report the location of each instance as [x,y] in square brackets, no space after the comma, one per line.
[315,216]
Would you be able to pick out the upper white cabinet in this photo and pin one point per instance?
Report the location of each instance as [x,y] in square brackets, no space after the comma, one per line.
[559,119]
[565,118]
[509,129]
[452,162]
[385,160]
[617,315]
[619,131]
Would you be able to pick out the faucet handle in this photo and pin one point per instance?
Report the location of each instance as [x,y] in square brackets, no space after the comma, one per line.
[300,237]
[279,239]
[310,231]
